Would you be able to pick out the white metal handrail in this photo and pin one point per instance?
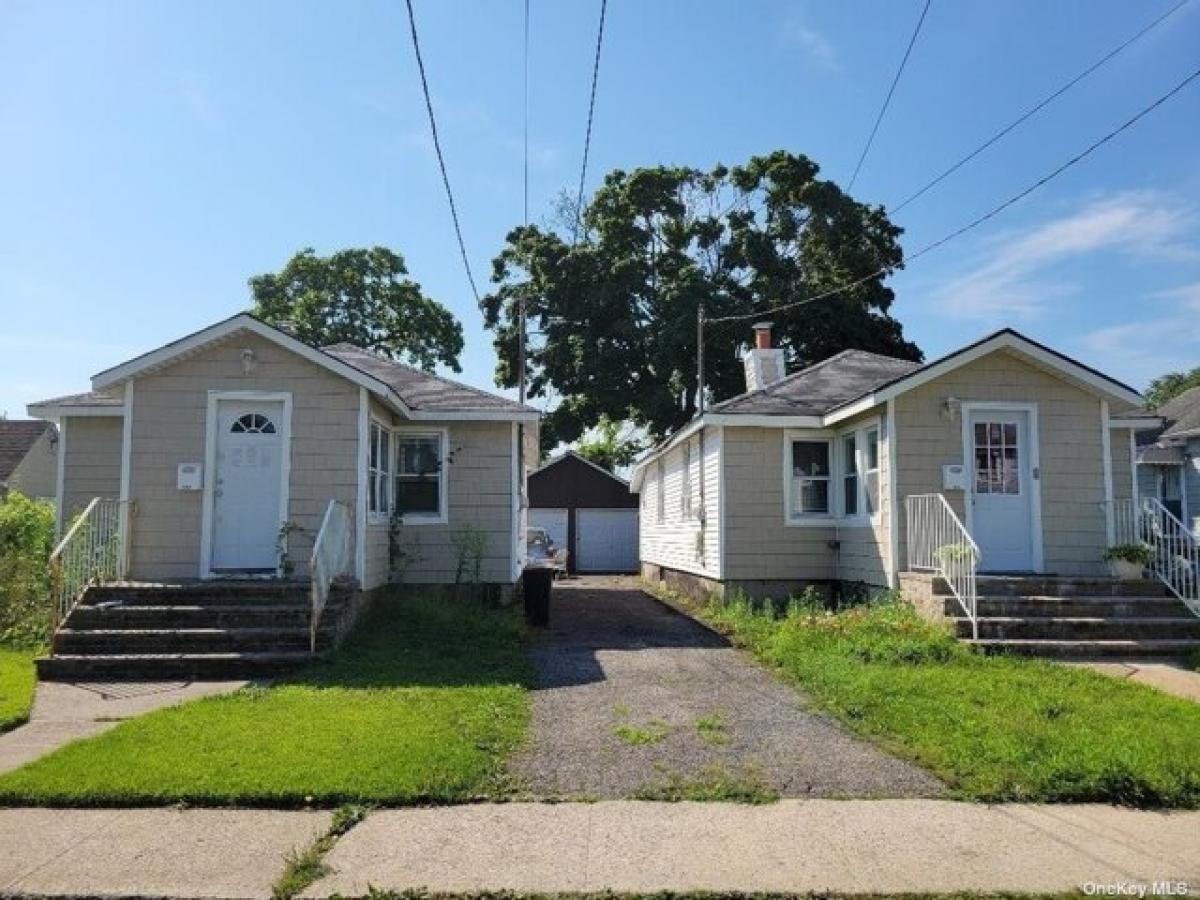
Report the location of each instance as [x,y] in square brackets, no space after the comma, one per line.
[91,552]
[1174,550]
[939,542]
[330,560]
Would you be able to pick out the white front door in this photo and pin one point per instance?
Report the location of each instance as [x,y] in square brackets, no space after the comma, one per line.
[1002,492]
[247,487]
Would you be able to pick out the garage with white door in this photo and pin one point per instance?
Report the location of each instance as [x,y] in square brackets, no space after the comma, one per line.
[589,511]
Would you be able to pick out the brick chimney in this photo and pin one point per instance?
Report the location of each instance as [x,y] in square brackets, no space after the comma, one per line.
[765,365]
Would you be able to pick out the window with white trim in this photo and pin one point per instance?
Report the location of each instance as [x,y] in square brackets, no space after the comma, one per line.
[810,478]
[379,471]
[685,486]
[850,476]
[871,475]
[418,476]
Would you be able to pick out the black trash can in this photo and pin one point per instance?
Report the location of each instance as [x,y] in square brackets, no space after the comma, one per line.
[538,582]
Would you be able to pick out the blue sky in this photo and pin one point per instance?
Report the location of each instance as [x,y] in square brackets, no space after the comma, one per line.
[155,155]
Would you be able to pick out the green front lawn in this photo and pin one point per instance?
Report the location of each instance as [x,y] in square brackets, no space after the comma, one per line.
[17,683]
[995,729]
[423,703]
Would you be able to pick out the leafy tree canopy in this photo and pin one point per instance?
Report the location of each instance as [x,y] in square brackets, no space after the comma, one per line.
[1169,386]
[615,310]
[363,297]
[610,445]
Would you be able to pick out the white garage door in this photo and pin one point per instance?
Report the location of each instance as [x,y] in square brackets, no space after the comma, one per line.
[553,520]
[607,540]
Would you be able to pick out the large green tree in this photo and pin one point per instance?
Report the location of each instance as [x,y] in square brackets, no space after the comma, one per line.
[612,309]
[610,445]
[363,297]
[1169,386]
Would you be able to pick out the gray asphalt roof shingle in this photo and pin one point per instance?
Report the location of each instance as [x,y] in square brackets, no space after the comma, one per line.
[821,387]
[91,398]
[419,389]
[1182,414]
[16,437]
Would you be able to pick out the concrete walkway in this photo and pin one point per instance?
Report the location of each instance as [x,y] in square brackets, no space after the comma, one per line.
[635,700]
[1169,676]
[149,852]
[65,712]
[850,846]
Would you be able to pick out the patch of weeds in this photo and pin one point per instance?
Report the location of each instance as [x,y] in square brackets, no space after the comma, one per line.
[621,711]
[713,729]
[713,783]
[636,735]
[306,867]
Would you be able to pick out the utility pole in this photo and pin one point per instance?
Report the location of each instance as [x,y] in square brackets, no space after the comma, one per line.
[700,360]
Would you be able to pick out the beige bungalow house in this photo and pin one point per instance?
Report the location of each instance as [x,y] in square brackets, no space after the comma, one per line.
[1004,458]
[230,452]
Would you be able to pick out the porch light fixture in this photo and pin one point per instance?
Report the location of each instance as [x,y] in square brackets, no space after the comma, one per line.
[951,408]
[248,361]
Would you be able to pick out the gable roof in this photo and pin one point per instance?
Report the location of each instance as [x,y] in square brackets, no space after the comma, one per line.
[821,387]
[17,437]
[415,393]
[571,454]
[1182,415]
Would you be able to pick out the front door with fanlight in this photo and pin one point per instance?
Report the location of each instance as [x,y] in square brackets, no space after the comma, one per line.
[247,488]
[1001,494]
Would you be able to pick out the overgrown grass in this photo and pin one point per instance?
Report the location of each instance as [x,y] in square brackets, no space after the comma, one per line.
[423,703]
[713,729]
[17,683]
[304,867]
[713,783]
[994,728]
[651,733]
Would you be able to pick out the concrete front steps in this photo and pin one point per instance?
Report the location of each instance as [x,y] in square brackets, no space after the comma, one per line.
[194,632]
[1074,618]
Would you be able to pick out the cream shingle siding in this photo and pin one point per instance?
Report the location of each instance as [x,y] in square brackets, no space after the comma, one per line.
[680,541]
[169,411]
[92,467]
[1069,428]
[37,474]
[479,494]
[758,544]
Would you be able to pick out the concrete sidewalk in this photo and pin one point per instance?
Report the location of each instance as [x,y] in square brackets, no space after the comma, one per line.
[149,852]
[792,846]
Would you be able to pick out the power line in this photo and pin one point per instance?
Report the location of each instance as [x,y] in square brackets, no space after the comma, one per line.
[975,223]
[587,141]
[888,99]
[437,146]
[526,180]
[1038,107]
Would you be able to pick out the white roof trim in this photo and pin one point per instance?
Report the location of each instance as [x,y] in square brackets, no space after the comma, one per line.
[246,322]
[1141,423]
[53,412]
[1005,340]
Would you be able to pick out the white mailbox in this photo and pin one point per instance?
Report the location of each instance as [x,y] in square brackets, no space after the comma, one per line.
[954,477]
[189,477]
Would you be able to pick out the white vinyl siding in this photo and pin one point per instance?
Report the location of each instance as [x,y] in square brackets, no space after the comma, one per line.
[689,542]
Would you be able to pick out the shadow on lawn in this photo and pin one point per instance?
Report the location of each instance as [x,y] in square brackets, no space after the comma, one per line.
[415,641]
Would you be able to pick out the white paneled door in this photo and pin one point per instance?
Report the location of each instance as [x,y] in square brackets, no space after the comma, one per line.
[1002,489]
[606,540]
[247,486]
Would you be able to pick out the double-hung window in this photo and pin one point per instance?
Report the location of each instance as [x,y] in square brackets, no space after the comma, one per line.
[871,476]
[379,472]
[419,475]
[850,476]
[810,493]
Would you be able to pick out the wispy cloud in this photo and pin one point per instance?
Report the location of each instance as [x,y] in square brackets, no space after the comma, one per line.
[1023,274]
[199,103]
[798,32]
[1164,337]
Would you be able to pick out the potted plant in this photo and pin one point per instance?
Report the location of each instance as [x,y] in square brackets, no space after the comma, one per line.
[1128,561]
[955,553]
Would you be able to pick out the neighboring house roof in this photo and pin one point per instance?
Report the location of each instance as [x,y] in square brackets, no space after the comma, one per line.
[1182,415]
[821,387]
[417,394]
[419,389]
[17,438]
[1160,455]
[854,381]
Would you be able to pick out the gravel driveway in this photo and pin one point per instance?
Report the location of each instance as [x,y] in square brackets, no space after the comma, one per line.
[635,699]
